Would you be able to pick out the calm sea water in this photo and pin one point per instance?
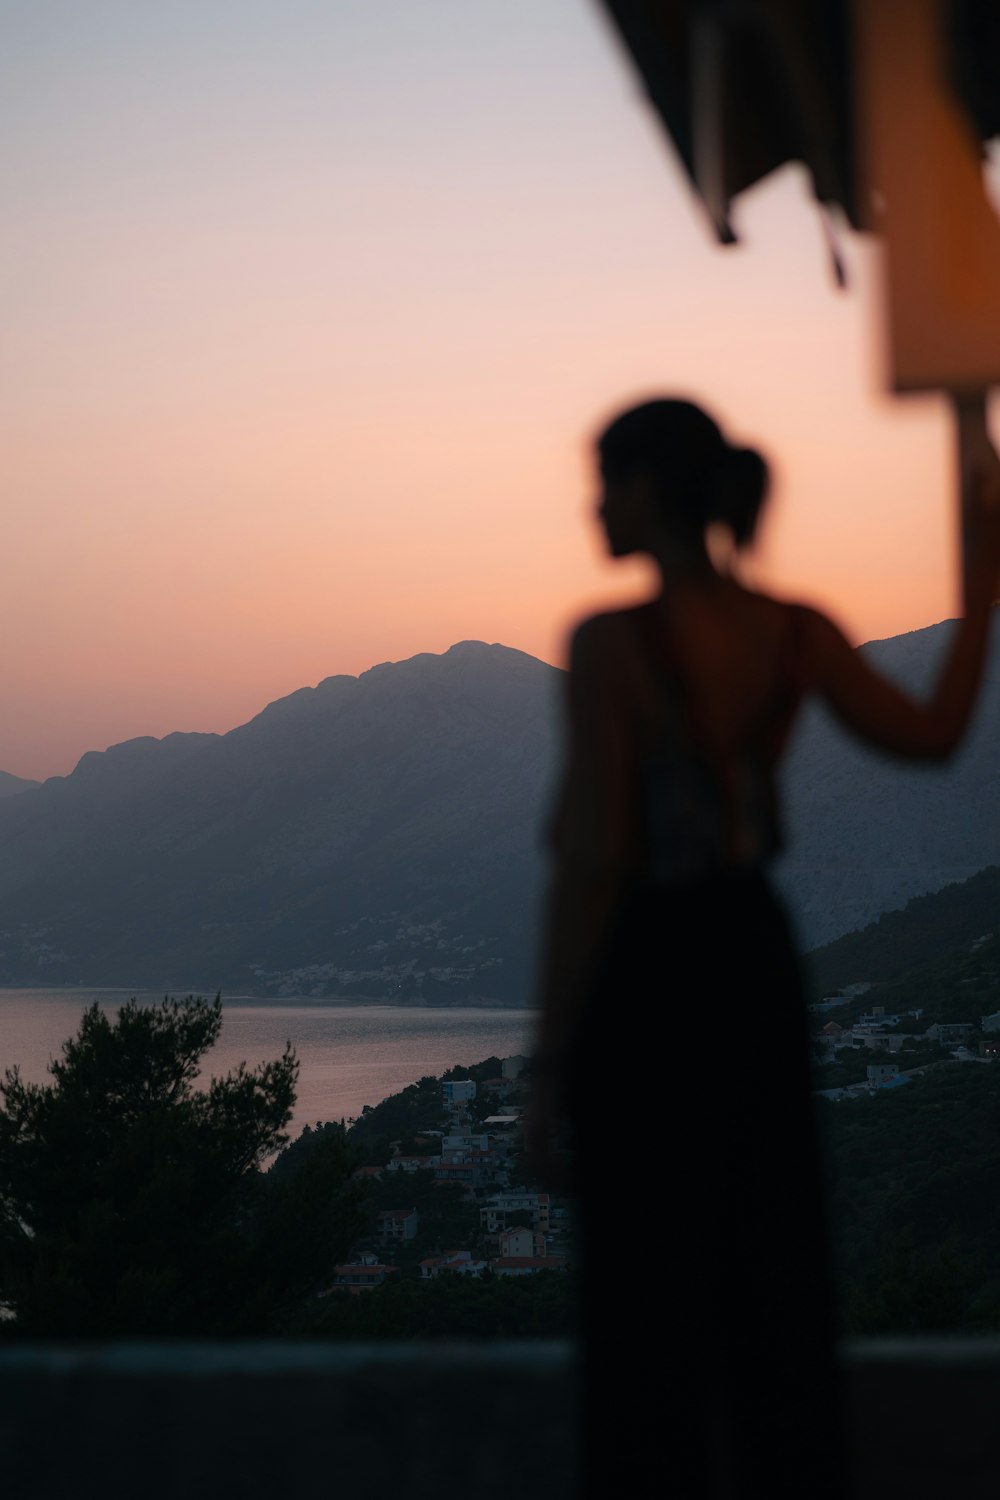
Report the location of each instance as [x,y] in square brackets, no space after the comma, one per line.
[350,1055]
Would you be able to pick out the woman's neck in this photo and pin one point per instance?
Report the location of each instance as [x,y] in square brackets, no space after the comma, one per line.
[684,563]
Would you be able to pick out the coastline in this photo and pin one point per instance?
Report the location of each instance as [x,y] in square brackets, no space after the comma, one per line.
[264,997]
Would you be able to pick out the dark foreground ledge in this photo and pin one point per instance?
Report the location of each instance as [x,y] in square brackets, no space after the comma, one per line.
[418,1421]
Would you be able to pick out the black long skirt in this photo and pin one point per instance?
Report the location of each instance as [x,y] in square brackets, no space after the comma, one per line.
[709,1359]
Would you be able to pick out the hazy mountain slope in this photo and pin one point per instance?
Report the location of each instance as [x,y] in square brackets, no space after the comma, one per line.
[373,835]
[380,836]
[928,929]
[12,786]
[866,832]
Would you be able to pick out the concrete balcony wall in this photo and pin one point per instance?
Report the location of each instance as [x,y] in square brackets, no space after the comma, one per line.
[307,1420]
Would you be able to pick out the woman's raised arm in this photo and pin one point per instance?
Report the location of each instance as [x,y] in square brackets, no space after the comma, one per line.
[874,708]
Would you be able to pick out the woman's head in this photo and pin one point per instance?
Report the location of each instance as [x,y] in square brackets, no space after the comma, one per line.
[666,464]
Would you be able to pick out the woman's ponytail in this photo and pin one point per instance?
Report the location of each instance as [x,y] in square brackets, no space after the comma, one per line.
[740,487]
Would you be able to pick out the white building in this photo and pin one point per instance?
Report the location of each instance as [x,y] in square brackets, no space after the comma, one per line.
[885,1076]
[361,1275]
[511,1207]
[458,1091]
[521,1241]
[465,1142]
[396,1226]
[459,1261]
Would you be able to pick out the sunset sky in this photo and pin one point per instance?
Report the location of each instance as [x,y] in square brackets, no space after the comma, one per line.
[309,309]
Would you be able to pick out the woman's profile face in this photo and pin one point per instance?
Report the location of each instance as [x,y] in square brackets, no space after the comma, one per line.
[624,509]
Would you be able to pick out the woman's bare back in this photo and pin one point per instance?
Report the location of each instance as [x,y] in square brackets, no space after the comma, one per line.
[735,654]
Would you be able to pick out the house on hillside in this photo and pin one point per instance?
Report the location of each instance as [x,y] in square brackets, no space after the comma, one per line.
[527,1265]
[458,1091]
[516,1206]
[464,1145]
[878,1041]
[885,1076]
[499,1086]
[949,1033]
[521,1241]
[412,1163]
[485,1169]
[397,1226]
[459,1261]
[361,1275]
[877,1019]
[370,1174]
[510,1122]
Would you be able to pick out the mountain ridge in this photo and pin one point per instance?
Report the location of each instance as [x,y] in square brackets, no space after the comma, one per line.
[402,803]
[378,836]
[14,786]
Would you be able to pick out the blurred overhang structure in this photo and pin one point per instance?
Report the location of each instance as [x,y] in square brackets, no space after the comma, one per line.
[888,104]
[744,86]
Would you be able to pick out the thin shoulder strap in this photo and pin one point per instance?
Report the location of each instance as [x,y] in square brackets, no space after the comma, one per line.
[657,645]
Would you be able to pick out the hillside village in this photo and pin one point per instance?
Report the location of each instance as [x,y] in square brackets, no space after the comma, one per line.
[451,1192]
[862,1045]
[451,1197]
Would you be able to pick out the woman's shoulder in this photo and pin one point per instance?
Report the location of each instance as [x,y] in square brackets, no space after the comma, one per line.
[804,636]
[608,628]
[787,618]
[605,653]
[797,617]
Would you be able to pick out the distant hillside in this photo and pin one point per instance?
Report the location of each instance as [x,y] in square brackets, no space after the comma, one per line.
[929,930]
[374,836]
[866,832]
[380,837]
[12,786]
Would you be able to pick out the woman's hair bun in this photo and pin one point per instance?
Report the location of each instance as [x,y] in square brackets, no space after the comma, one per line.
[740,488]
[698,476]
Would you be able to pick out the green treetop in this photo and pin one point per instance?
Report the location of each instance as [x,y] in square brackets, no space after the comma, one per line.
[132,1203]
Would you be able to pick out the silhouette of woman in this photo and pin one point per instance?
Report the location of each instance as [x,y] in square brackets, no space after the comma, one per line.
[672,1032]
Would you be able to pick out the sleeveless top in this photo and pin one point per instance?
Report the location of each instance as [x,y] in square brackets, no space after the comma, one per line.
[703,812]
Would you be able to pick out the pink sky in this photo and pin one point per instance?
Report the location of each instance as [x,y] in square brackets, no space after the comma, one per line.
[309,314]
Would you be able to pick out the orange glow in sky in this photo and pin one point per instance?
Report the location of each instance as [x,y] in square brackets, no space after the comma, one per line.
[309,314]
